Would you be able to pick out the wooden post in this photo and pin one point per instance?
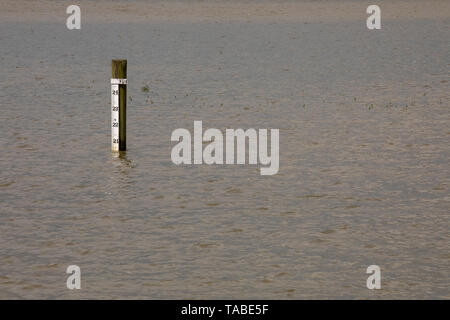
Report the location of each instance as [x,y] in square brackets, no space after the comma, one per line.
[119,105]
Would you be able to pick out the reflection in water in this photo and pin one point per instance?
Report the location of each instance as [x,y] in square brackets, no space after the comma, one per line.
[122,161]
[122,177]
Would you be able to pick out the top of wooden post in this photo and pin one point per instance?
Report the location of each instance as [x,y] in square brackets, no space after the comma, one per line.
[119,69]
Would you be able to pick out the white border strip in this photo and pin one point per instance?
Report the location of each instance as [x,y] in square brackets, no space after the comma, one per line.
[119,81]
[115,117]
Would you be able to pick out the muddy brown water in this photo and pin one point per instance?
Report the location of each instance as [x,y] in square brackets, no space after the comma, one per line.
[364,170]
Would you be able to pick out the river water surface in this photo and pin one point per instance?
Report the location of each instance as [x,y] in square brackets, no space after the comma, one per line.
[364,170]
